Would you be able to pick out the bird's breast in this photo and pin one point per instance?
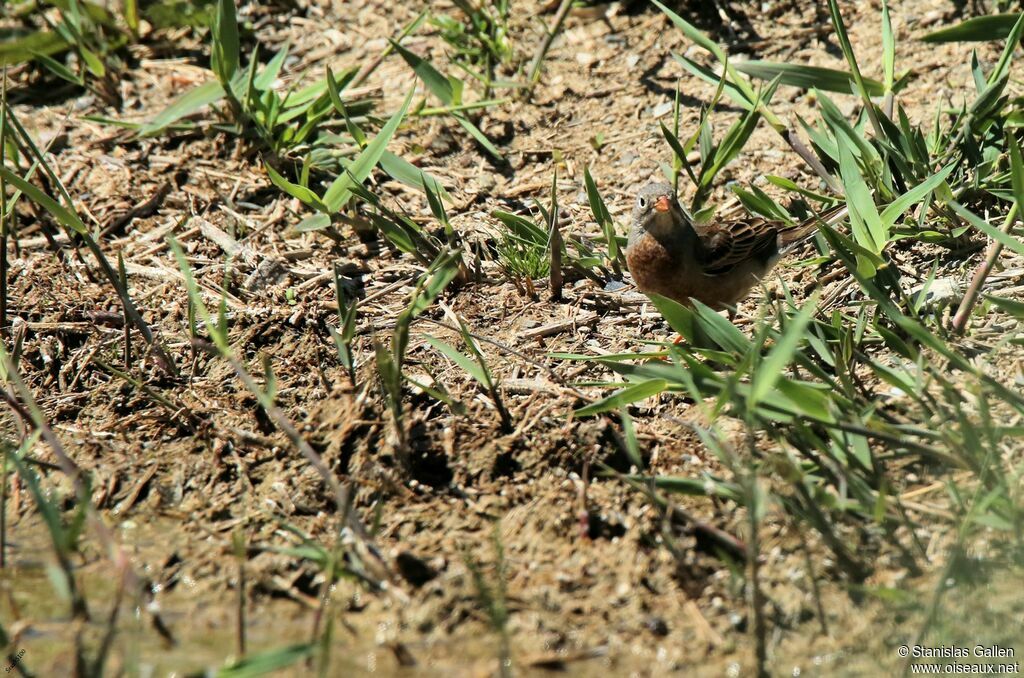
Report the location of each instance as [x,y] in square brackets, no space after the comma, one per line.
[660,269]
[673,272]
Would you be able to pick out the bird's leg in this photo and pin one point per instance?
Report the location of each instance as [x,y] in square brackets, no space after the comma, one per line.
[675,342]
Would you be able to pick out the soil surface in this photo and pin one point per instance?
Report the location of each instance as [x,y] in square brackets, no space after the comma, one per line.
[596,581]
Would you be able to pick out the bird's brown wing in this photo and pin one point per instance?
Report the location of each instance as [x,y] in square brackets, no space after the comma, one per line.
[728,244]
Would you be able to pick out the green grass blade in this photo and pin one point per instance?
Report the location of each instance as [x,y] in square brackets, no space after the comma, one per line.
[437,83]
[619,399]
[851,59]
[358,170]
[988,229]
[67,217]
[224,50]
[868,229]
[187,104]
[478,135]
[770,370]
[736,95]
[59,69]
[976,29]
[806,77]
[305,195]
[888,49]
[471,367]
[16,50]
[403,171]
[1002,68]
[915,195]
[269,74]
[266,662]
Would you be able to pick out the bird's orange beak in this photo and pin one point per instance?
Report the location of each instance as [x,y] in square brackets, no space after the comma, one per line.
[662,204]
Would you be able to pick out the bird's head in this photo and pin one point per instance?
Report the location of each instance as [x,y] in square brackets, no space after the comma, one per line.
[657,211]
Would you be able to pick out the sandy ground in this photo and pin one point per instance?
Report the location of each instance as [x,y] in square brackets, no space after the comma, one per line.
[591,585]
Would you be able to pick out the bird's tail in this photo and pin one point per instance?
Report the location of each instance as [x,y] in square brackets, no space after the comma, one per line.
[794,235]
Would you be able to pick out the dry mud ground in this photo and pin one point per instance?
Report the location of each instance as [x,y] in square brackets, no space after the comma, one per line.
[591,588]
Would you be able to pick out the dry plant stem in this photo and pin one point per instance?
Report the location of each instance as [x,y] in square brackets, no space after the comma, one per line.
[727,542]
[240,617]
[281,421]
[3,509]
[545,45]
[5,221]
[69,468]
[340,492]
[28,148]
[815,589]
[732,545]
[370,66]
[812,160]
[757,599]
[556,245]
[509,350]
[110,631]
[963,312]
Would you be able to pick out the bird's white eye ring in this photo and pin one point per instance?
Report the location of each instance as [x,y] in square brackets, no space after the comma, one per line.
[642,202]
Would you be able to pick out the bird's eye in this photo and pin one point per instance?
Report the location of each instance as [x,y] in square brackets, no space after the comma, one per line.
[641,202]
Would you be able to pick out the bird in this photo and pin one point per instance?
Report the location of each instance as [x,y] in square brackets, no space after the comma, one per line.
[716,263]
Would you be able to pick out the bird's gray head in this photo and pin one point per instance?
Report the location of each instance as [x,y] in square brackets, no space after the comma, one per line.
[657,211]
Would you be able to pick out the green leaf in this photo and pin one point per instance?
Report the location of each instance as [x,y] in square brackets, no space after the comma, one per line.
[522,227]
[680,318]
[401,170]
[394,232]
[721,331]
[601,214]
[359,169]
[759,202]
[807,77]
[976,29]
[737,95]
[915,195]
[770,369]
[790,185]
[803,399]
[991,231]
[1009,306]
[17,47]
[623,397]
[692,32]
[472,368]
[314,222]
[629,437]
[1016,172]
[445,268]
[67,217]
[888,49]
[478,135]
[673,142]
[868,229]
[851,60]
[305,195]
[187,104]
[437,83]
[225,48]
[269,661]
[841,128]
[735,138]
[269,74]
[697,487]
[92,62]
[1002,68]
[59,69]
